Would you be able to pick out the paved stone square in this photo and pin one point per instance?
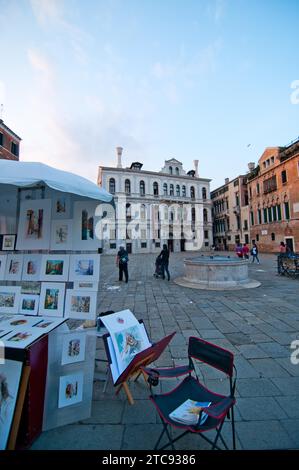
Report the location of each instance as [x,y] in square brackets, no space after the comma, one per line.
[257,325]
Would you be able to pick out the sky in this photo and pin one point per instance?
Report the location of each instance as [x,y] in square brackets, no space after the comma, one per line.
[213,80]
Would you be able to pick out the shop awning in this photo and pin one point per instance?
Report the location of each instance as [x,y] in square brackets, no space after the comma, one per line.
[27,174]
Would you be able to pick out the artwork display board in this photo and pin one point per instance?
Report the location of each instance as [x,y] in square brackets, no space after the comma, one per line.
[85,220]
[14,267]
[52,299]
[69,385]
[80,304]
[54,268]
[61,235]
[9,299]
[31,267]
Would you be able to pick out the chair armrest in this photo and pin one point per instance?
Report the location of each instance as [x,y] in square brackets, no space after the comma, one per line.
[220,409]
[168,373]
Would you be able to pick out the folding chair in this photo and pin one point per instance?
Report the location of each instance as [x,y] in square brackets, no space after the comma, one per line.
[190,388]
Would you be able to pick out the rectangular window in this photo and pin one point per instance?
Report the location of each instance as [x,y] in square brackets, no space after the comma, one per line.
[1,139]
[157,244]
[274,213]
[259,216]
[265,216]
[112,234]
[112,246]
[14,149]
[269,214]
[270,185]
[257,189]
[206,243]
[251,218]
[245,225]
[278,207]
[206,234]
[284,176]
[143,245]
[287,210]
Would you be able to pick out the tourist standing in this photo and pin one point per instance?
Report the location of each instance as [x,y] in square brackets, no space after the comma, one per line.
[282,248]
[245,251]
[239,251]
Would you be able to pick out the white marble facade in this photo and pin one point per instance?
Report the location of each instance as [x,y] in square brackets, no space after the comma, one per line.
[139,195]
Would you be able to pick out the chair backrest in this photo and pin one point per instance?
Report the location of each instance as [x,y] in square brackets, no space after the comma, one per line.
[211,354]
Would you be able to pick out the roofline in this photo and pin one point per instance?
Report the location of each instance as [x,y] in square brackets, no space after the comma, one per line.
[155,173]
[230,181]
[9,130]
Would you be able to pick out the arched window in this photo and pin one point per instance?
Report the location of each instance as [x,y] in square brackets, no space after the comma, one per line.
[142,188]
[171,190]
[177,171]
[205,215]
[204,193]
[112,186]
[156,189]
[184,191]
[178,190]
[128,187]
[165,189]
[192,192]
[170,170]
[143,212]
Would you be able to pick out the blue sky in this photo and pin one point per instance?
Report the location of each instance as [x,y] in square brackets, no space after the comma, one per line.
[189,79]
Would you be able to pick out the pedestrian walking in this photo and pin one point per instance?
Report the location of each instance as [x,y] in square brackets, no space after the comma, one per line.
[122,260]
[254,253]
[282,247]
[164,255]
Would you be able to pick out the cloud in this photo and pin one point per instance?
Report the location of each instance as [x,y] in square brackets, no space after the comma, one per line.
[40,64]
[216,9]
[52,13]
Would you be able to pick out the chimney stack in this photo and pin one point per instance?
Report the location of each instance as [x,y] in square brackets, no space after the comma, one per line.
[226,181]
[119,151]
[196,167]
[251,166]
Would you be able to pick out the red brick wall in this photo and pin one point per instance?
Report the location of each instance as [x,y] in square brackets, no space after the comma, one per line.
[5,152]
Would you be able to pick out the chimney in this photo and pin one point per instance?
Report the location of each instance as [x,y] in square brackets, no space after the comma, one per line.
[226,181]
[251,166]
[119,151]
[196,167]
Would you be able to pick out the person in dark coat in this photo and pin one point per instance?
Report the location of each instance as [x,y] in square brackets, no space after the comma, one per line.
[164,255]
[122,263]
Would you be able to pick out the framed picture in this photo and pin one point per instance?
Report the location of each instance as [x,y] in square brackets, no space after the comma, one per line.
[61,206]
[61,235]
[18,321]
[9,299]
[47,324]
[70,389]
[84,237]
[14,267]
[52,299]
[21,337]
[34,225]
[10,375]
[85,268]
[55,268]
[8,242]
[29,304]
[28,287]
[80,304]
[73,348]
[3,259]
[31,267]
[85,285]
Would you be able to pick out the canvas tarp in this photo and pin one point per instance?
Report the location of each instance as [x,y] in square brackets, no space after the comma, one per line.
[27,174]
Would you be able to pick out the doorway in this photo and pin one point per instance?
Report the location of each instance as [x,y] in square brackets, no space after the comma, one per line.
[129,248]
[170,245]
[289,241]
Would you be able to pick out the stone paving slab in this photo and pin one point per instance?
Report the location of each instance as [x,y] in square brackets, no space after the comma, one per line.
[256,325]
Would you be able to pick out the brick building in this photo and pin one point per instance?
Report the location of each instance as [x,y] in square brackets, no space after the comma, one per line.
[273,188]
[230,213]
[9,143]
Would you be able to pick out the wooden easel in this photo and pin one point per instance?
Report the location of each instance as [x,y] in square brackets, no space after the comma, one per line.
[134,369]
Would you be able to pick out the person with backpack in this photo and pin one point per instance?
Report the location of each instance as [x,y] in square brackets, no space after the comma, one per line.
[164,255]
[254,253]
[122,260]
